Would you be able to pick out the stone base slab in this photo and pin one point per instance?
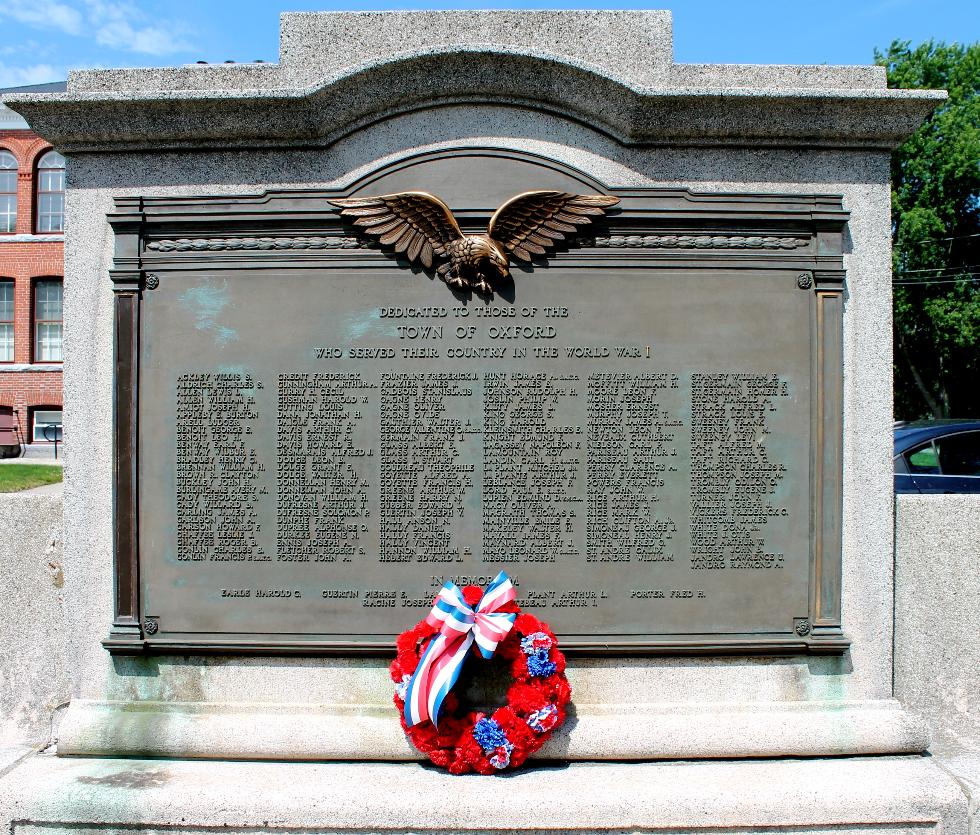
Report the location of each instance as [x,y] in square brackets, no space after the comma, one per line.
[964,767]
[10,755]
[606,732]
[47,795]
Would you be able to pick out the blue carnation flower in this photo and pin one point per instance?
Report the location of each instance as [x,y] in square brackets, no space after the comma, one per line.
[489,734]
[539,665]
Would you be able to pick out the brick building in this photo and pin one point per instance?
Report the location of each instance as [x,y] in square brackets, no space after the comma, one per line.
[32,196]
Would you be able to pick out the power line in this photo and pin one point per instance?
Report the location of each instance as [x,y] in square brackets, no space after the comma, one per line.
[927,281]
[962,268]
[952,238]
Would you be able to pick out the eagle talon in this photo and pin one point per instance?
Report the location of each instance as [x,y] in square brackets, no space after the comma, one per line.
[456,282]
[483,288]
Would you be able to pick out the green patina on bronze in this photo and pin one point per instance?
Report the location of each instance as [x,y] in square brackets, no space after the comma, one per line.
[721,314]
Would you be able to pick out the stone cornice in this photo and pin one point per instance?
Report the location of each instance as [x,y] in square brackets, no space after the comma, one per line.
[632,113]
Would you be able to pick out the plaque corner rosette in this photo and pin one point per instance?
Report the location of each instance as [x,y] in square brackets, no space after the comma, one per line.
[429,662]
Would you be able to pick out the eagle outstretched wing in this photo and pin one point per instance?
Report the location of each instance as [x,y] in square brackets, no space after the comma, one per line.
[415,222]
[535,221]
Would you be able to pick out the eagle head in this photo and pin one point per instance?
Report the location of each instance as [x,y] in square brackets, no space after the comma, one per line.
[491,257]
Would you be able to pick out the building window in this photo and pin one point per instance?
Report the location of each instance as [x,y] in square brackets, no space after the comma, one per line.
[51,193]
[6,321]
[47,321]
[46,426]
[8,191]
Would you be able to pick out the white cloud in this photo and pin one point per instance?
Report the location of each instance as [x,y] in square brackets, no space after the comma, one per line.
[101,10]
[36,74]
[150,40]
[117,25]
[45,14]
[31,50]
[113,23]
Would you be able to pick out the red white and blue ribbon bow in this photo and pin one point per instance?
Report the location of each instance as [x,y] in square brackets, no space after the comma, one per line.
[459,626]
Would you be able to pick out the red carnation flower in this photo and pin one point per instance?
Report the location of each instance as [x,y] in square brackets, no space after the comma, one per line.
[472,595]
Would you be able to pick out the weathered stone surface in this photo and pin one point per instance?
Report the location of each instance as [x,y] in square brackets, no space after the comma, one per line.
[937,589]
[611,69]
[10,755]
[628,44]
[964,767]
[35,665]
[594,732]
[899,795]
[631,44]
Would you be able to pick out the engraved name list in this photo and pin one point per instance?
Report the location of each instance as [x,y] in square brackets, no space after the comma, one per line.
[636,466]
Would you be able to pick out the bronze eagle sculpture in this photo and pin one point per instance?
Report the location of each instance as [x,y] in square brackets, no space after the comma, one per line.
[422,227]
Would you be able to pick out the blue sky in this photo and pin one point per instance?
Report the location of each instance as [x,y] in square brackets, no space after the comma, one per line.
[40,40]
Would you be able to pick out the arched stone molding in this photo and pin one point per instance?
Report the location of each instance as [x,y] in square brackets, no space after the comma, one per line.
[313,102]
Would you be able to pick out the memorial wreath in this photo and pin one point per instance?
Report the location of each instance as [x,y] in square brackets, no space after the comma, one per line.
[429,661]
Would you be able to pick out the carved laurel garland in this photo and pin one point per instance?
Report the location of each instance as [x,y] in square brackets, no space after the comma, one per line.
[696,242]
[220,244]
[610,242]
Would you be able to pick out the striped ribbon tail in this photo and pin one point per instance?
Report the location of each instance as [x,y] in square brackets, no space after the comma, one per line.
[459,627]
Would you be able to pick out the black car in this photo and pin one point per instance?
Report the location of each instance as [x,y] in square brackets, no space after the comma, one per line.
[937,456]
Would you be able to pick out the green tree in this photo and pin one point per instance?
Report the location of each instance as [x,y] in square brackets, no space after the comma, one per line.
[936,236]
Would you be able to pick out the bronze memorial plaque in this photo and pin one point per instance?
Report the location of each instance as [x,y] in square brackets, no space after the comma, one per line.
[642,427]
